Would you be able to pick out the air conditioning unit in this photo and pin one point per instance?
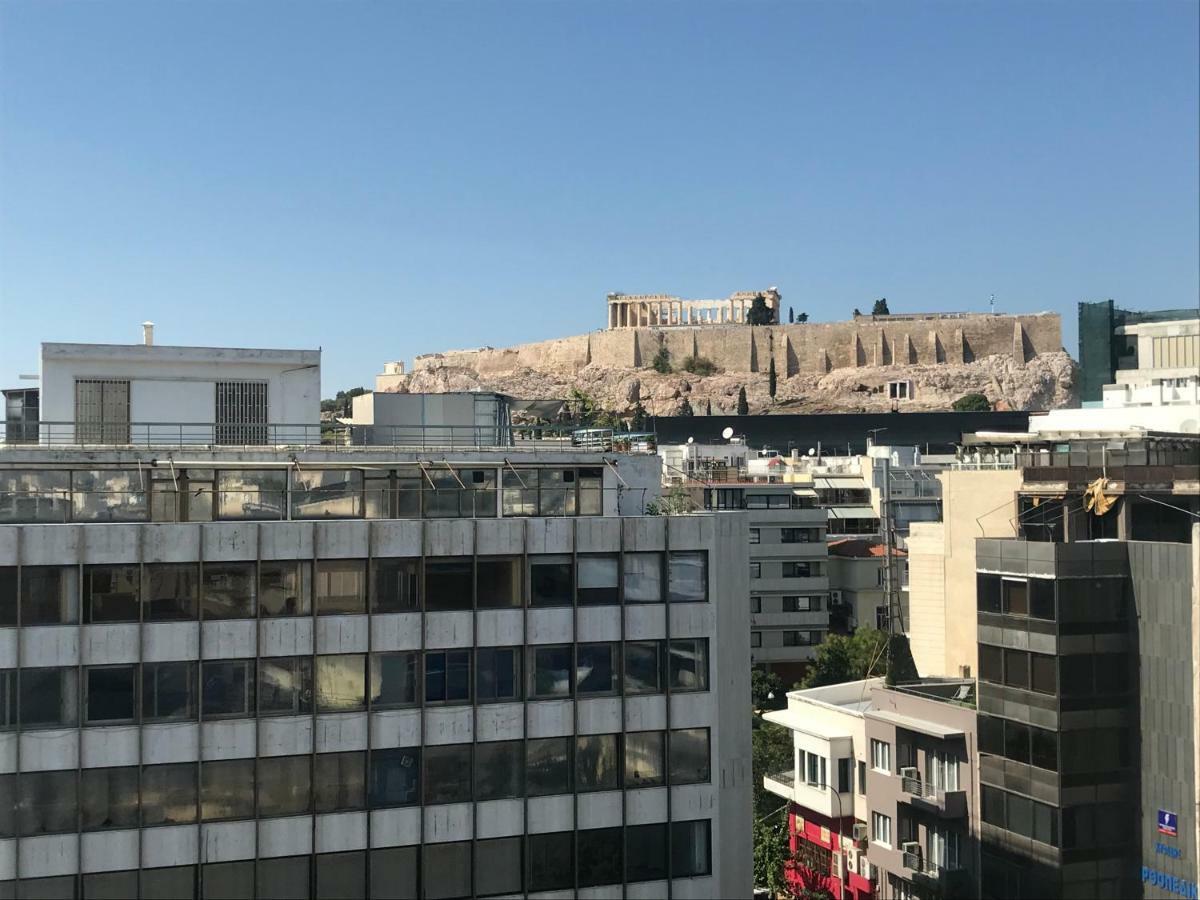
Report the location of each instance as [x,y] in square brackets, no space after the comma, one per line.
[835,596]
[867,869]
[913,847]
[860,832]
[852,860]
[910,772]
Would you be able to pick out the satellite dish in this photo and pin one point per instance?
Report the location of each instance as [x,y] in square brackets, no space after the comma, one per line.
[727,433]
[691,440]
[812,451]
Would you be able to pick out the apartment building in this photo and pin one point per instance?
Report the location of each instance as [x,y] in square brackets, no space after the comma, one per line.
[882,792]
[789,576]
[1087,656]
[322,671]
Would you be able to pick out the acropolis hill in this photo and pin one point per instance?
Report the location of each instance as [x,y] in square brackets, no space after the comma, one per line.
[1017,361]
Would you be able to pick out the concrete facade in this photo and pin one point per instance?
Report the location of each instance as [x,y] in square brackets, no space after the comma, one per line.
[941,567]
[680,773]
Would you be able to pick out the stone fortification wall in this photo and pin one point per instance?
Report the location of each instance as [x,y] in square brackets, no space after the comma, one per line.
[800,349]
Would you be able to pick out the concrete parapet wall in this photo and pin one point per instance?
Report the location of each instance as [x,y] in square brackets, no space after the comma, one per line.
[799,348]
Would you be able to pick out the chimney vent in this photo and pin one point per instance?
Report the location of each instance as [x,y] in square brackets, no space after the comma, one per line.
[148,333]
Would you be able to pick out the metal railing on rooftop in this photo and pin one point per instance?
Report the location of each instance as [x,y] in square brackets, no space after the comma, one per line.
[325,436]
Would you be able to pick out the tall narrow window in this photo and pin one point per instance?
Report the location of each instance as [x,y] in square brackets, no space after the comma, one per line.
[101,411]
[241,412]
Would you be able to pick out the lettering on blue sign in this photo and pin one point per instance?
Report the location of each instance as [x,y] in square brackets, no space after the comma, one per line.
[1171,883]
[1165,850]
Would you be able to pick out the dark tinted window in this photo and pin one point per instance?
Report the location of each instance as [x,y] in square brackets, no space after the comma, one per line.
[991,664]
[1041,598]
[646,852]
[1015,597]
[550,861]
[1016,668]
[600,857]
[449,584]
[1044,673]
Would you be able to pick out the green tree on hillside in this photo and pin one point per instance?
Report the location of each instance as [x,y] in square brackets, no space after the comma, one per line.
[760,313]
[772,381]
[743,405]
[662,361]
[685,408]
[881,308]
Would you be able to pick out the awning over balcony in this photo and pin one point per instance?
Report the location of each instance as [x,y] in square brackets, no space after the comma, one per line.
[851,512]
[924,726]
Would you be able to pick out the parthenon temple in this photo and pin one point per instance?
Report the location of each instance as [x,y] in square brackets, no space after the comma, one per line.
[660,310]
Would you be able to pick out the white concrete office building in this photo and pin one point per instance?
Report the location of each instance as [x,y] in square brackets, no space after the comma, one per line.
[367,673]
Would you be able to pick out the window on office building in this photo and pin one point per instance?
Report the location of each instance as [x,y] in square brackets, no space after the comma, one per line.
[644,759]
[109,798]
[339,781]
[499,770]
[449,583]
[394,679]
[341,876]
[341,682]
[394,873]
[689,664]
[500,585]
[499,865]
[170,591]
[448,676]
[284,785]
[597,762]
[691,849]
[169,794]
[285,685]
[548,766]
[226,789]
[646,852]
[689,756]
[285,588]
[551,580]
[227,688]
[341,586]
[643,578]
[550,672]
[644,667]
[110,694]
[447,768]
[227,591]
[497,674]
[278,878]
[551,861]
[687,577]
[49,697]
[49,596]
[596,667]
[395,774]
[111,594]
[395,585]
[446,870]
[600,857]
[599,580]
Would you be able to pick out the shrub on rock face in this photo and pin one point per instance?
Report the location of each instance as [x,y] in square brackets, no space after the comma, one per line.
[699,365]
[974,402]
[743,405]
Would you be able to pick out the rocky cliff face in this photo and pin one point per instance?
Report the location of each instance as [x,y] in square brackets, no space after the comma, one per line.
[1046,381]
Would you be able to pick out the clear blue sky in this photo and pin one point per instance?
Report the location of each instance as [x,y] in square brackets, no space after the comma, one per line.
[383,179]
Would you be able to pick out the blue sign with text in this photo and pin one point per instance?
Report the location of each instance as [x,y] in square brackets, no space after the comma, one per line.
[1168,823]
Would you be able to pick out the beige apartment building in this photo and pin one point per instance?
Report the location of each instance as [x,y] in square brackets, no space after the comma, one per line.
[941,567]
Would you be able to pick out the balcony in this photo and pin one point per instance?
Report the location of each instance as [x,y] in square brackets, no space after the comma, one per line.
[782,784]
[927,873]
[947,804]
